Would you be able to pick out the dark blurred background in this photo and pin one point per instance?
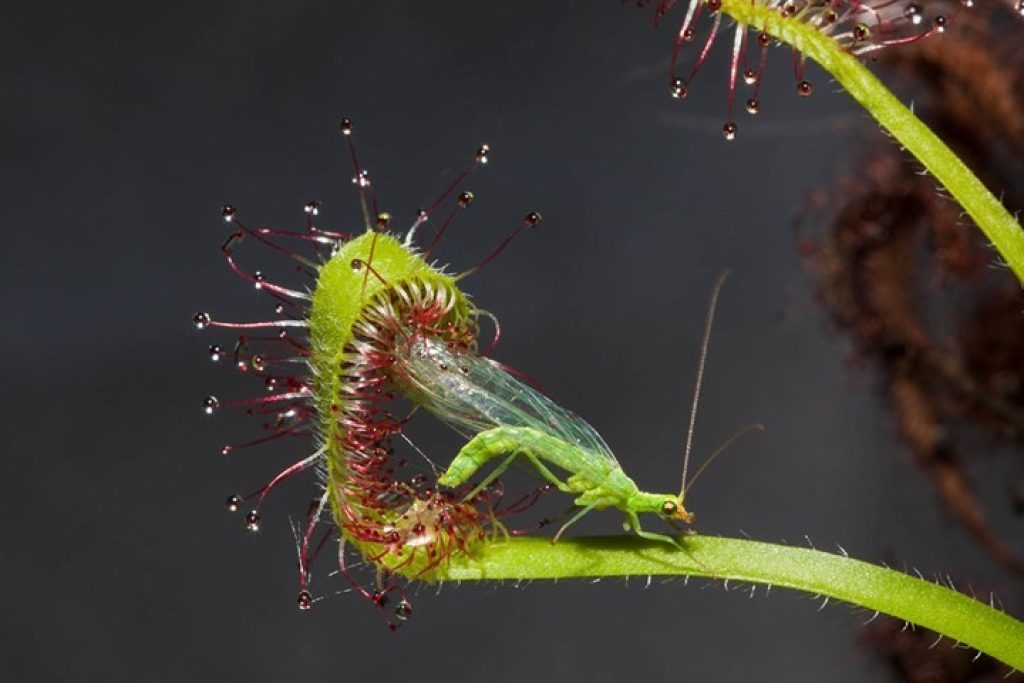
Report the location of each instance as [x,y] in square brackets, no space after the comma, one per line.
[124,127]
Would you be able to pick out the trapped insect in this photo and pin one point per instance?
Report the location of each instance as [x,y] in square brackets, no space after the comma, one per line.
[381,328]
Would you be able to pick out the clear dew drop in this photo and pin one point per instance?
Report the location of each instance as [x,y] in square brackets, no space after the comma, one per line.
[729,131]
[753,105]
[482,153]
[252,521]
[533,219]
[403,610]
[465,199]
[233,503]
[913,13]
[305,600]
[804,88]
[201,320]
[216,352]
[210,404]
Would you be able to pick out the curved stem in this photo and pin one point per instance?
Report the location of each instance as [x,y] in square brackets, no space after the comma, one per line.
[989,214]
[945,611]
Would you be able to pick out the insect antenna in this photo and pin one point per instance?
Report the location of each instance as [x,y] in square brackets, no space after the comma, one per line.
[705,343]
[718,451]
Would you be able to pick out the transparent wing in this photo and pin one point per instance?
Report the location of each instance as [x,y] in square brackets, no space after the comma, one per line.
[473,394]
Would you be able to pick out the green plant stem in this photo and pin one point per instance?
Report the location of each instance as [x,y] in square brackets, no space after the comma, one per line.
[989,214]
[874,588]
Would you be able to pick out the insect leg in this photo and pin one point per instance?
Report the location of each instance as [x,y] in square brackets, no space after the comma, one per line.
[547,474]
[634,524]
[494,474]
[572,520]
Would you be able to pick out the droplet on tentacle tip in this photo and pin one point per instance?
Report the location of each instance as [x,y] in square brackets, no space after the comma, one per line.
[201,320]
[753,105]
[383,220]
[210,404]
[226,448]
[482,153]
[346,126]
[913,13]
[305,600]
[403,610]
[749,76]
[533,219]
[233,503]
[729,130]
[940,23]
[252,521]
[678,88]
[356,264]
[804,88]
[216,352]
[312,208]
[465,198]
[228,212]
[714,5]
[257,279]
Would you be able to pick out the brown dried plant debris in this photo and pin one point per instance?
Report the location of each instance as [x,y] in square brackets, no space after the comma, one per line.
[900,266]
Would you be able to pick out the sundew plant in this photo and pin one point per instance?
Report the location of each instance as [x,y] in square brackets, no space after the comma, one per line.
[382,334]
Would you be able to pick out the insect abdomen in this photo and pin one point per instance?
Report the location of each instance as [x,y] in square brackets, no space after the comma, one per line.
[500,441]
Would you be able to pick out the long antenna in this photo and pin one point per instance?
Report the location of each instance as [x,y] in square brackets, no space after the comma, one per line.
[705,343]
[718,451]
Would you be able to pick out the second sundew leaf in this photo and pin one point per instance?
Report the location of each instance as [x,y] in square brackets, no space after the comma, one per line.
[835,35]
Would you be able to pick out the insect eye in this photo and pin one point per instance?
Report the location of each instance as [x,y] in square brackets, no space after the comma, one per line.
[668,508]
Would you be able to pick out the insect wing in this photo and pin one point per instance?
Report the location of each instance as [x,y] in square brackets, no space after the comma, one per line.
[473,394]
